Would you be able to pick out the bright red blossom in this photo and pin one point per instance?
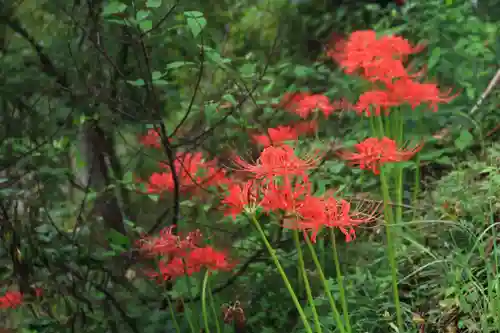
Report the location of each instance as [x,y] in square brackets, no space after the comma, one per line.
[181,256]
[209,258]
[284,196]
[303,104]
[167,243]
[11,299]
[276,136]
[374,152]
[151,139]
[241,197]
[374,101]
[281,186]
[363,49]
[192,172]
[415,94]
[278,161]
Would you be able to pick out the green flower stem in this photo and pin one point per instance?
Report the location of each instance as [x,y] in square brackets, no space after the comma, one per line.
[204,301]
[388,219]
[322,277]
[187,311]
[172,313]
[302,268]
[340,281]
[288,286]
[214,311]
[399,171]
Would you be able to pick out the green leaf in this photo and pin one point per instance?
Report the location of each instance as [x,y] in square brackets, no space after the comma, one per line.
[160,82]
[137,83]
[303,71]
[464,140]
[154,197]
[44,228]
[230,98]
[146,25]
[117,238]
[435,55]
[114,7]
[178,64]
[215,56]
[141,15]
[128,178]
[248,70]
[156,75]
[153,3]
[195,21]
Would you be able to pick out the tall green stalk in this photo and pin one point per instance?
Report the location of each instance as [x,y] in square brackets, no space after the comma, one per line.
[389,219]
[331,300]
[172,314]
[391,253]
[204,302]
[340,281]
[281,271]
[212,306]
[307,285]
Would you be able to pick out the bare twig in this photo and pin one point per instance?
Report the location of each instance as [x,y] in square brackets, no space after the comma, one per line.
[485,94]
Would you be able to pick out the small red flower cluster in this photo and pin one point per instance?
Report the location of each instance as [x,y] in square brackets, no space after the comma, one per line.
[304,104]
[181,256]
[281,134]
[374,152]
[381,61]
[11,299]
[192,172]
[151,139]
[280,184]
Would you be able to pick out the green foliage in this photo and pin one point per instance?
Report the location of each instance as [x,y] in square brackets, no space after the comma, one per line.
[211,73]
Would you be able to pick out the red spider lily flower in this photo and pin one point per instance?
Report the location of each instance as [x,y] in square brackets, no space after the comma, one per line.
[303,104]
[289,101]
[278,161]
[374,152]
[415,94]
[170,270]
[339,215]
[309,216]
[210,259]
[151,139]
[314,213]
[11,299]
[386,70]
[311,103]
[191,171]
[181,255]
[397,46]
[192,262]
[363,50]
[285,196]
[160,182]
[375,100]
[276,136]
[242,198]
[354,53]
[167,243]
